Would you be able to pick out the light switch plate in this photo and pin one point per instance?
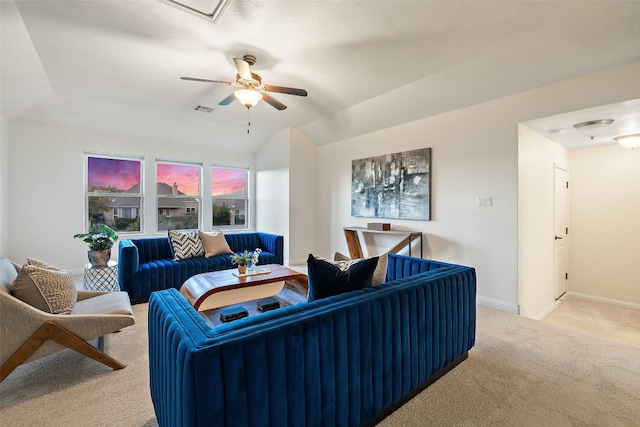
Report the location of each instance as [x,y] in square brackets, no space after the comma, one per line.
[485,202]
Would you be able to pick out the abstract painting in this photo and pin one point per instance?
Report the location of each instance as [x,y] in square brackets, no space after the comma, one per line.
[395,186]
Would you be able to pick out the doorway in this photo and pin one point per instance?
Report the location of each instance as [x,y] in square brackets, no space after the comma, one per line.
[561,233]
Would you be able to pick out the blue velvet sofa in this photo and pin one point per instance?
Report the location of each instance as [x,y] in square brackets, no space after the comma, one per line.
[346,360]
[146,265]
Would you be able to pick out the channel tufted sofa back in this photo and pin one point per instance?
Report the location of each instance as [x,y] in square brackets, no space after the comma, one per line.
[345,360]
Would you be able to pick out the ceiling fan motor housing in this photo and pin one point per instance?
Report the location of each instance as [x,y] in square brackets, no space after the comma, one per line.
[252,83]
[249,59]
[255,82]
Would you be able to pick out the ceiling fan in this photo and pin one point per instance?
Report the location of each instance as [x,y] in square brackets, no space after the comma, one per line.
[252,90]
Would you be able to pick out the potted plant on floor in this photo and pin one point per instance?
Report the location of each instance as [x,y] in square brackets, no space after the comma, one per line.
[100,239]
[241,260]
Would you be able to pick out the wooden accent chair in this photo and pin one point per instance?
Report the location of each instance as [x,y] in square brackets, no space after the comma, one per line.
[27,333]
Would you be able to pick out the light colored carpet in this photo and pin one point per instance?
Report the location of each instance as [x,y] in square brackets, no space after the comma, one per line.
[602,320]
[522,372]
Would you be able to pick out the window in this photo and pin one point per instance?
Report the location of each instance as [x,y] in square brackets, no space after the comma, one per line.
[178,192]
[229,196]
[113,187]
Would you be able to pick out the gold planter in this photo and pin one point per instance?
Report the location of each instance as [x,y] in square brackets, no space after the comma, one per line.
[242,269]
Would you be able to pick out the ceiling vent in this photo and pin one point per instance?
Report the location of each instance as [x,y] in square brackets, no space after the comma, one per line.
[203,108]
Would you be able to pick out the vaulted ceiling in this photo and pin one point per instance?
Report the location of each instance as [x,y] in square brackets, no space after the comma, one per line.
[115,66]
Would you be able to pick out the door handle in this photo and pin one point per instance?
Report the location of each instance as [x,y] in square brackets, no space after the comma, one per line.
[558,238]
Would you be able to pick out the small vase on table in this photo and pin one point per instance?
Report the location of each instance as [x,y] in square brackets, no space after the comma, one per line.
[253,261]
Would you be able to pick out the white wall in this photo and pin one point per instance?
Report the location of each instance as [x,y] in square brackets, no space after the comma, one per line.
[286,171]
[46,201]
[537,158]
[605,223]
[468,161]
[303,184]
[4,186]
[272,187]
[475,154]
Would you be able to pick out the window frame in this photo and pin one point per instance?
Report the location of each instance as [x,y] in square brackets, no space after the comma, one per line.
[89,194]
[246,198]
[166,213]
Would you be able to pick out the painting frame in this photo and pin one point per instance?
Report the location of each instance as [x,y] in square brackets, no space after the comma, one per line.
[392,186]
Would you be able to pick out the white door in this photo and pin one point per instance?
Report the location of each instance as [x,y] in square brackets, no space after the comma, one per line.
[561,234]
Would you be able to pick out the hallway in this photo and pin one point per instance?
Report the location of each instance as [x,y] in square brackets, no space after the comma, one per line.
[599,319]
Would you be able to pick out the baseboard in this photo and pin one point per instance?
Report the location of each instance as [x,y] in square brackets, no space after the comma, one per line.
[497,304]
[547,311]
[296,262]
[619,303]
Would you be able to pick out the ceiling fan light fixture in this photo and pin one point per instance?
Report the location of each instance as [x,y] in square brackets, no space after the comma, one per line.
[629,141]
[593,128]
[248,97]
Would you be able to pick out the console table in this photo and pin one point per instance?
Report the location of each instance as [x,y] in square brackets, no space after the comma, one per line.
[355,249]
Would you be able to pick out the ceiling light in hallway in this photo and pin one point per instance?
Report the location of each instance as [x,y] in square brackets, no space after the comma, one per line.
[593,128]
[629,141]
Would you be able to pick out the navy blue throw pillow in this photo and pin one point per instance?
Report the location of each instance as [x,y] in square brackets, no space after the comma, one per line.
[327,279]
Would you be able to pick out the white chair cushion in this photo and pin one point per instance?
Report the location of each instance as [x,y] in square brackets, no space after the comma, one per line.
[109,303]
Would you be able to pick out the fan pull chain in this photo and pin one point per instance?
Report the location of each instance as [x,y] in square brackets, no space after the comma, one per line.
[248,119]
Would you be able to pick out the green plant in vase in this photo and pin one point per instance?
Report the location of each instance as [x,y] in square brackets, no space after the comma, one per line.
[100,239]
[241,260]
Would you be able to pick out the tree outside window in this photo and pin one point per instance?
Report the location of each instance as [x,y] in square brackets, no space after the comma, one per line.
[113,192]
[178,194]
[229,196]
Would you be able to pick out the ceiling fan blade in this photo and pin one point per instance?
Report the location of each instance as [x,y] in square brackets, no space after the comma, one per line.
[193,79]
[273,102]
[228,100]
[243,68]
[286,90]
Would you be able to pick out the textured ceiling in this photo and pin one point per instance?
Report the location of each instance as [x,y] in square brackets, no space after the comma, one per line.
[115,66]
[559,128]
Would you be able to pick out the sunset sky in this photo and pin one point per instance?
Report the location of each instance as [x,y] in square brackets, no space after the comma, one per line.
[122,174]
[187,177]
[227,181]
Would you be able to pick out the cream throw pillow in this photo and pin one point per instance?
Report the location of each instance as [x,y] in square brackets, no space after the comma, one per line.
[42,264]
[47,288]
[379,275]
[214,243]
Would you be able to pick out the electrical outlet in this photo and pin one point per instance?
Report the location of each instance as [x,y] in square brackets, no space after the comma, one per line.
[485,202]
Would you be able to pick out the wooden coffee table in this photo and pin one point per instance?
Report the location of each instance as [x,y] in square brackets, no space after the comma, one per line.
[292,294]
[207,291]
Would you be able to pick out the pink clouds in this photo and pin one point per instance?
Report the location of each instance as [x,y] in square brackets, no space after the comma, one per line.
[226,181]
[121,174]
[187,177]
[124,174]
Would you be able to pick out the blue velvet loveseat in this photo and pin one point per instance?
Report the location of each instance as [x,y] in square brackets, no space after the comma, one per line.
[346,360]
[146,265]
